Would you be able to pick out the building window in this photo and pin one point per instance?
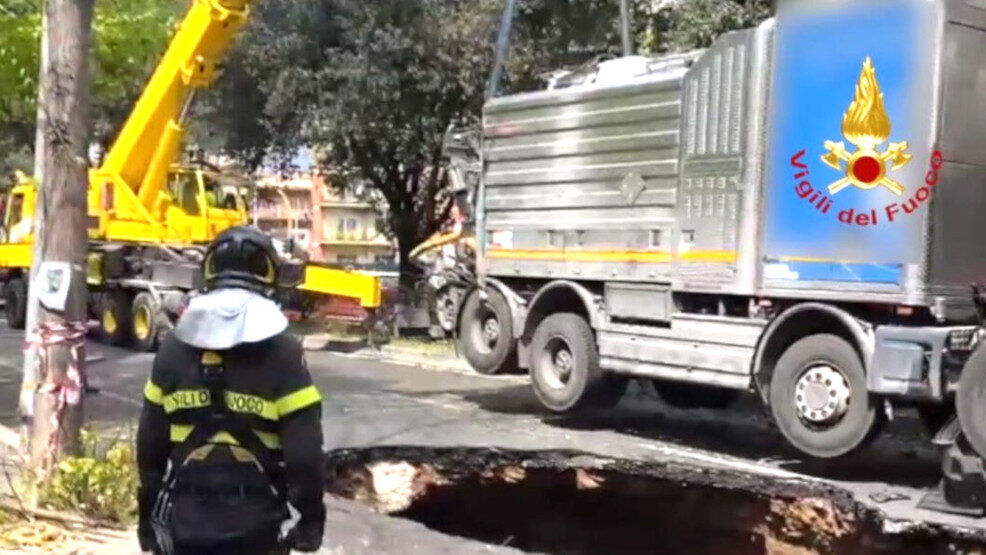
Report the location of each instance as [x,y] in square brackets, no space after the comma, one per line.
[348,229]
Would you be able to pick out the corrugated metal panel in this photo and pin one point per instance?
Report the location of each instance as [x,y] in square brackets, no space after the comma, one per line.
[715,103]
[713,159]
[599,163]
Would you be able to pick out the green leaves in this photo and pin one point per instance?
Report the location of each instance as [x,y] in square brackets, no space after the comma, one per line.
[99,485]
[129,37]
[21,24]
[372,86]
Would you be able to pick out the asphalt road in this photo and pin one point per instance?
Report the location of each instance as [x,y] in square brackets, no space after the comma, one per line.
[370,402]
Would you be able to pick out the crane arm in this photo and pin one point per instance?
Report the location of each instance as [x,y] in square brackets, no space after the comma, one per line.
[150,140]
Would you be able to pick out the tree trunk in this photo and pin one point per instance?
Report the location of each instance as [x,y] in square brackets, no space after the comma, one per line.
[30,377]
[58,400]
[405,231]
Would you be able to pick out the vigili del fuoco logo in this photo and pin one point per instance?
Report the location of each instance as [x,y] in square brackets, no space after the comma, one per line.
[867,126]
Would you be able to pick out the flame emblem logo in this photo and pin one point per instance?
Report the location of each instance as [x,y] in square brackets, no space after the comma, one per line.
[867,126]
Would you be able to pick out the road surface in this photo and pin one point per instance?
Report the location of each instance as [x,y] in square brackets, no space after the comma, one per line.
[372,403]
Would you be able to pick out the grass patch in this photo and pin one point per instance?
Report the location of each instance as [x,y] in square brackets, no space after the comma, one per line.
[424,346]
[100,484]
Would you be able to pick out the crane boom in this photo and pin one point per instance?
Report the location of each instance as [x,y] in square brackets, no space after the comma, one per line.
[149,218]
[150,140]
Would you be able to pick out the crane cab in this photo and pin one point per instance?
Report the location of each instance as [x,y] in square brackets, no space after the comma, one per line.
[16,223]
[205,202]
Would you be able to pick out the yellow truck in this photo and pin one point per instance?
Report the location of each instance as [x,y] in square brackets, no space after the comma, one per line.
[150,219]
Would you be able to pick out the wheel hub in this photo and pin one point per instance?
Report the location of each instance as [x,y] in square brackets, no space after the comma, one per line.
[558,362]
[822,394]
[109,321]
[491,331]
[563,362]
[142,323]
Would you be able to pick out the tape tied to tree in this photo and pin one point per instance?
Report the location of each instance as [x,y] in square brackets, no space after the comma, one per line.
[67,391]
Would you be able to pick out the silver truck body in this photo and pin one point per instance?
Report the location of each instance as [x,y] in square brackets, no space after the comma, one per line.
[680,180]
[661,179]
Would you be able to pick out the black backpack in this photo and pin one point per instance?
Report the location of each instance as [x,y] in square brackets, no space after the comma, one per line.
[218,492]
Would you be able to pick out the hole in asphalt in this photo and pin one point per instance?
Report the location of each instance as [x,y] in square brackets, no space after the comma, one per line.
[547,508]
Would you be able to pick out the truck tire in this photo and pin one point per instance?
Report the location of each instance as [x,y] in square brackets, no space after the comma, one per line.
[114,317]
[969,400]
[819,400]
[564,367]
[15,299]
[486,334]
[146,322]
[694,396]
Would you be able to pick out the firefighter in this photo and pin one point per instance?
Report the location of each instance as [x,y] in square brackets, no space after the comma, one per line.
[230,430]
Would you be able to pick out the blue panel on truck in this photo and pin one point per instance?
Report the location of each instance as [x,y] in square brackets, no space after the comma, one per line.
[850,141]
[832,271]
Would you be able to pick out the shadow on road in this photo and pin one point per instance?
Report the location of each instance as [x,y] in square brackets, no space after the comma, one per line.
[902,456]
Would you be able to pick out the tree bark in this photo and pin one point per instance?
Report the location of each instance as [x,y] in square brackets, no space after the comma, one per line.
[56,424]
[30,376]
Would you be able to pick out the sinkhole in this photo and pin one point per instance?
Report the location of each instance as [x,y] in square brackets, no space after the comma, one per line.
[547,503]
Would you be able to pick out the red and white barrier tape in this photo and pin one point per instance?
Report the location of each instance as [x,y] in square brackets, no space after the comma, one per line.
[67,391]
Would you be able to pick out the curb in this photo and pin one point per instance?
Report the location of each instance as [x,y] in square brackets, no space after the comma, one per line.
[411,357]
[325,343]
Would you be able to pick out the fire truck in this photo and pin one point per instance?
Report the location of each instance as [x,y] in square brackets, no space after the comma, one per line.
[794,213]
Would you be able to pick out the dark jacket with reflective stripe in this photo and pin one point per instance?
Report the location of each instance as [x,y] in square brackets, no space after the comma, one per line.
[267,385]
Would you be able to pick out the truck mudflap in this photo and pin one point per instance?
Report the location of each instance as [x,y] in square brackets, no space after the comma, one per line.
[962,489]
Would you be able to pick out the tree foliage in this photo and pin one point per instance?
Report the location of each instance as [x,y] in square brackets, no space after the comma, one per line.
[693,24]
[129,38]
[373,85]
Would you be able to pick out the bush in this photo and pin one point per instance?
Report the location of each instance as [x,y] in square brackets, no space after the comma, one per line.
[101,484]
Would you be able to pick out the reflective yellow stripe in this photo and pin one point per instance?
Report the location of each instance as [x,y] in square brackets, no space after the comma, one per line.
[576,255]
[180,433]
[186,399]
[249,404]
[237,402]
[298,400]
[153,393]
[272,441]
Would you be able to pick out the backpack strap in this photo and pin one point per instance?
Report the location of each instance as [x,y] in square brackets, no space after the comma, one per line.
[218,418]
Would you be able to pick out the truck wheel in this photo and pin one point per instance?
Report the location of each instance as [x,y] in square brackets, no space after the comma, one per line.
[693,396]
[486,334]
[15,297]
[114,317]
[819,399]
[565,369]
[970,398]
[145,320]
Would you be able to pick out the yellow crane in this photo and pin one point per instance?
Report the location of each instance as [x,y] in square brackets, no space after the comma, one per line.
[150,218]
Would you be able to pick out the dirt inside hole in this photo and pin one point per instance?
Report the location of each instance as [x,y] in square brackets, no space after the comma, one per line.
[586,511]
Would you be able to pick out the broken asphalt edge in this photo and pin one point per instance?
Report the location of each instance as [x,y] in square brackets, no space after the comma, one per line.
[456,461]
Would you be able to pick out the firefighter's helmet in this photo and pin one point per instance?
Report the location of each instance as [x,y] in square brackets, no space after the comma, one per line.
[242,257]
